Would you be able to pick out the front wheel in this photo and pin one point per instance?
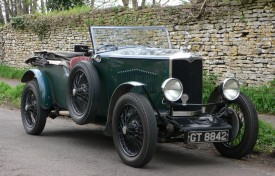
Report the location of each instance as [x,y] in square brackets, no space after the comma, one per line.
[247,131]
[33,116]
[134,130]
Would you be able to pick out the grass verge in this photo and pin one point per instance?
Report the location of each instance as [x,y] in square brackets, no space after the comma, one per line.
[11,72]
[10,95]
[266,138]
[263,97]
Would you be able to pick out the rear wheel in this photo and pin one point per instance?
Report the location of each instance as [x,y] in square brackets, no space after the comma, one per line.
[33,116]
[247,132]
[134,130]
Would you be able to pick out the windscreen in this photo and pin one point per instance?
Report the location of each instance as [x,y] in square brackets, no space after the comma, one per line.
[153,37]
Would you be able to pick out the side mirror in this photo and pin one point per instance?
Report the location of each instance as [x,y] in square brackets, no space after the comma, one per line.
[81,48]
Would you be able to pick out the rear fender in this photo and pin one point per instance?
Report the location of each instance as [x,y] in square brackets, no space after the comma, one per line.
[120,90]
[43,84]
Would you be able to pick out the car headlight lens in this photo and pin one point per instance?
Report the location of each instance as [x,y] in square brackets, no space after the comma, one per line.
[172,89]
[230,88]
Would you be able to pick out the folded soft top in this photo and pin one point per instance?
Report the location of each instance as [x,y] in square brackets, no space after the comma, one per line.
[57,55]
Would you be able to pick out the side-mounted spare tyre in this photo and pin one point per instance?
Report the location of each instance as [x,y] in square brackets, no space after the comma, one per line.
[83,92]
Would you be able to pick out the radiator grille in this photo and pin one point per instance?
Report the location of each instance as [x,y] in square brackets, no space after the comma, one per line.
[190,74]
[149,78]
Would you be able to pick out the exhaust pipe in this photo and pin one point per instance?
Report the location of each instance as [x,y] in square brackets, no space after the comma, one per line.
[64,113]
[55,113]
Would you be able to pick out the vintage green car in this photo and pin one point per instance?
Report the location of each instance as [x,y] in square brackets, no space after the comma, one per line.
[143,91]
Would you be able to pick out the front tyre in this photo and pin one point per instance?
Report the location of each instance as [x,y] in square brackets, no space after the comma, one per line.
[248,129]
[134,129]
[33,116]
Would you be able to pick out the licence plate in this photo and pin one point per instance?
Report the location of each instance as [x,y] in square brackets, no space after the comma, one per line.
[208,136]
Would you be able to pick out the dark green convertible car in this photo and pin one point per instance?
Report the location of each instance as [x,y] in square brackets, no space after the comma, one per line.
[142,90]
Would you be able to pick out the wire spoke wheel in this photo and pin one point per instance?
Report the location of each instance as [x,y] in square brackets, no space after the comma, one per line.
[33,116]
[83,95]
[134,129]
[130,131]
[235,142]
[30,109]
[80,92]
[247,132]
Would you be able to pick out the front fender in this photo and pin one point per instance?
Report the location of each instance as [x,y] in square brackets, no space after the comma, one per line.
[120,90]
[43,84]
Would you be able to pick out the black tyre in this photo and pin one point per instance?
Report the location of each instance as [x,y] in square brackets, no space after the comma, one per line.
[247,134]
[83,92]
[33,116]
[134,129]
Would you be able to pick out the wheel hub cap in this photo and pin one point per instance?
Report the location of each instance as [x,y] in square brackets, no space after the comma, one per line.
[26,107]
[74,91]
[124,130]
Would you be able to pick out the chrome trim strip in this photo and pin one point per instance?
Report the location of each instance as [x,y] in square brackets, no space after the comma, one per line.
[185,113]
[135,56]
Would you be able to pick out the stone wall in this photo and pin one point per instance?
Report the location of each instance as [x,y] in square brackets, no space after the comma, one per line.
[235,40]
[2,55]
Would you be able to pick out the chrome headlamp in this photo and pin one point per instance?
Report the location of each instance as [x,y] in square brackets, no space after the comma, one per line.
[230,89]
[172,89]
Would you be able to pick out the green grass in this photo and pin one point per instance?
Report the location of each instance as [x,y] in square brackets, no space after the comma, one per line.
[266,138]
[11,72]
[263,97]
[10,95]
[209,84]
[74,11]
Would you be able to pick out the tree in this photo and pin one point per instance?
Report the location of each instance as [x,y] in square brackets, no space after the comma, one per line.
[2,20]
[26,6]
[143,3]
[92,5]
[7,9]
[34,6]
[135,4]
[19,7]
[125,3]
[63,4]
[43,7]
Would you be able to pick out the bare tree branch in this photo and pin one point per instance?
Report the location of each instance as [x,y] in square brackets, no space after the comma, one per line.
[202,9]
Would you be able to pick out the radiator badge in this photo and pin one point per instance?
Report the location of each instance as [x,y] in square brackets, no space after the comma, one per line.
[184,98]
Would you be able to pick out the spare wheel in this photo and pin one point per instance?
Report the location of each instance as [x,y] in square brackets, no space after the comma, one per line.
[83,92]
